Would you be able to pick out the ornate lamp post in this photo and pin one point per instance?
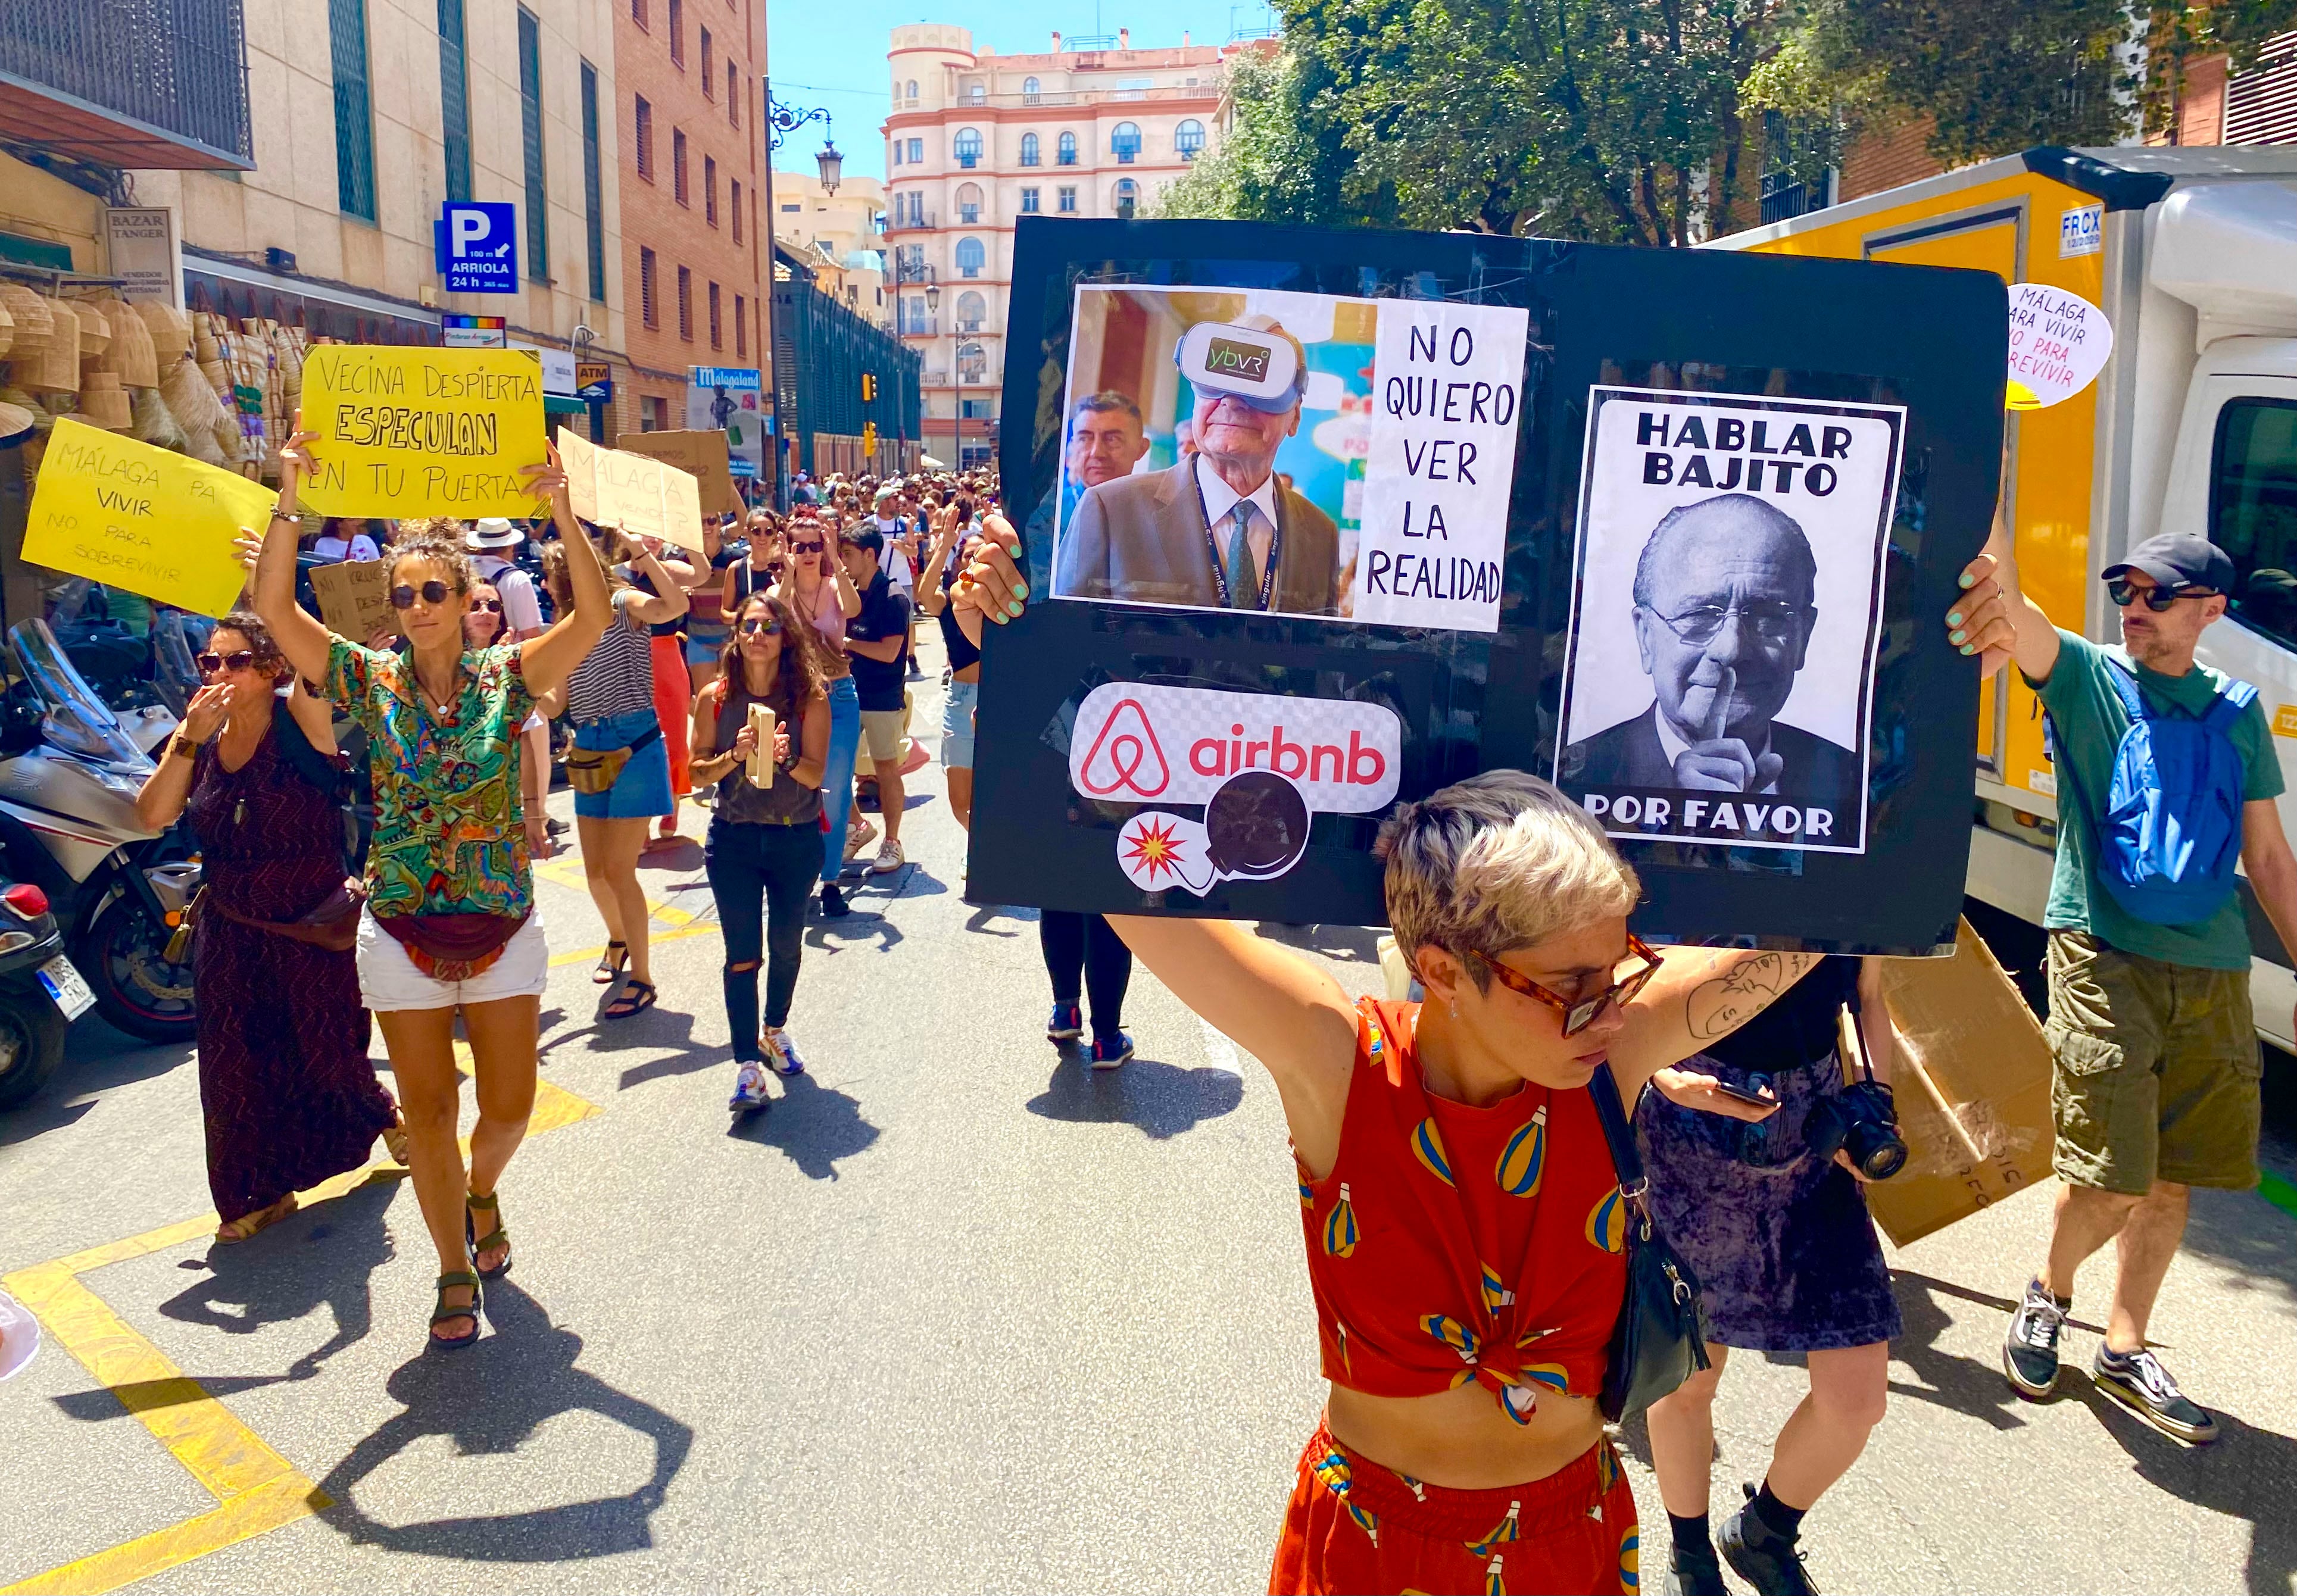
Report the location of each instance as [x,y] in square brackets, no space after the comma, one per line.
[780,122]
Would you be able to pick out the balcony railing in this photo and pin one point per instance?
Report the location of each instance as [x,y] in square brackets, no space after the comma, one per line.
[910,221]
[128,83]
[920,326]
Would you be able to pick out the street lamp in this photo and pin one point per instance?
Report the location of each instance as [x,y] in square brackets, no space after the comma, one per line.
[780,122]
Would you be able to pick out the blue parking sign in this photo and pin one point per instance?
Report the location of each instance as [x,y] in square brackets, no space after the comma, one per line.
[477,245]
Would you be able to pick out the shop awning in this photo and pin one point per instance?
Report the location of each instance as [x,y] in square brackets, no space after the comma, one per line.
[563,404]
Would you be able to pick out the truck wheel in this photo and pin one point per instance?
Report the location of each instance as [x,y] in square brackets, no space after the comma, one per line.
[123,952]
[31,1046]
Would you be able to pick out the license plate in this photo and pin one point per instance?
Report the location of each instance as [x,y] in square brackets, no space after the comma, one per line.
[65,985]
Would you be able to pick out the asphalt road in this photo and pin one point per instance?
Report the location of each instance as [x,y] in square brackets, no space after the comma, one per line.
[955,1314]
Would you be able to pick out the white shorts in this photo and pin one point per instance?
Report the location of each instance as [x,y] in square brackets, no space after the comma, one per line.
[389,980]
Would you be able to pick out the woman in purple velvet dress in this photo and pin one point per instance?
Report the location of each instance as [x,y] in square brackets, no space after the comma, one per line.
[287,1091]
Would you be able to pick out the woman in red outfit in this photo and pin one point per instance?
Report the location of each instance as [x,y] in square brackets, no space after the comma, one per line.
[1464,1227]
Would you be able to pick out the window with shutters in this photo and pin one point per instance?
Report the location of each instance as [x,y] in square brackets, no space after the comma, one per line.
[454,100]
[530,119]
[717,340]
[677,31]
[686,302]
[741,329]
[967,147]
[734,204]
[709,189]
[1030,148]
[733,94]
[354,108]
[709,66]
[638,9]
[970,256]
[678,165]
[649,305]
[594,204]
[1065,153]
[645,139]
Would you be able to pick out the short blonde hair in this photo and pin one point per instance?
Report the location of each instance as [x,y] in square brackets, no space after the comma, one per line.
[1500,860]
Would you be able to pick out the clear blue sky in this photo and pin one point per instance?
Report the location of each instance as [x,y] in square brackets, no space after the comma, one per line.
[831,53]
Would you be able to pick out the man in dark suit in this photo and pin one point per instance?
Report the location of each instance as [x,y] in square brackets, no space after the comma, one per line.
[1217,530]
[1725,597]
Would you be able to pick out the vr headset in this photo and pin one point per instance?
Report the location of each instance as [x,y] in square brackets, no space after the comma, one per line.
[1261,369]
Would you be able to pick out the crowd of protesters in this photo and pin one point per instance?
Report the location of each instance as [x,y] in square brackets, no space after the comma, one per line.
[754,674]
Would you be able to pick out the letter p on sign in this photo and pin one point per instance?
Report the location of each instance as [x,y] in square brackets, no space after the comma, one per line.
[468,227]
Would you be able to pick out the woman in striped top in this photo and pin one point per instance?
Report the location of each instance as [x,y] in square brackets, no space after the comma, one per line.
[610,698]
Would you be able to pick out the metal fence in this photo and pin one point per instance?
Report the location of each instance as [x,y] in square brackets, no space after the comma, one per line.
[178,65]
[821,349]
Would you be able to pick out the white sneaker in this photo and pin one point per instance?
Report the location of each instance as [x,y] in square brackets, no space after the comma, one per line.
[749,1088]
[889,857]
[782,1054]
[857,838]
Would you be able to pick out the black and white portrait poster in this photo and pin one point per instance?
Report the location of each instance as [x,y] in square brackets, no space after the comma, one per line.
[1726,609]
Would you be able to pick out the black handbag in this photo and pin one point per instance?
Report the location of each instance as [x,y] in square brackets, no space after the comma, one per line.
[1660,1339]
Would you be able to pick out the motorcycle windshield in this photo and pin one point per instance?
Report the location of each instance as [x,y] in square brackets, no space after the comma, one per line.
[77,721]
[177,674]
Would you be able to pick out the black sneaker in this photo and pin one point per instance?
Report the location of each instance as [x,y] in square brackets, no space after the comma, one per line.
[1763,1558]
[833,902]
[2030,1353]
[1693,1571]
[2138,1382]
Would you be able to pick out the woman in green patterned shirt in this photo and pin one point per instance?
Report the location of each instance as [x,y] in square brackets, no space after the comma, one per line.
[449,921]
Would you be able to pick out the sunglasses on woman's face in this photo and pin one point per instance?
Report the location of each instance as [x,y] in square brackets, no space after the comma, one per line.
[238,659]
[493,607]
[403,596]
[758,627]
[813,547]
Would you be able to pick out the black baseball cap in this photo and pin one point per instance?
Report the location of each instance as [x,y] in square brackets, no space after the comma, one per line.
[2178,560]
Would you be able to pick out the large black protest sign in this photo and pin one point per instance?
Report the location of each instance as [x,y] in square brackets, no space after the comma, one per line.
[1316,523]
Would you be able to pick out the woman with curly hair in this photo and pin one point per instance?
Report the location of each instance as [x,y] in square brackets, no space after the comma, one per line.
[765,836]
[449,922]
[286,1087]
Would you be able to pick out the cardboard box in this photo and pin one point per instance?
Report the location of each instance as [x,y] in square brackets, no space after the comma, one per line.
[355,598]
[700,455]
[1972,1079]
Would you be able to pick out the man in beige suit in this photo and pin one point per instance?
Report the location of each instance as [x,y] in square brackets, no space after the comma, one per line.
[1206,531]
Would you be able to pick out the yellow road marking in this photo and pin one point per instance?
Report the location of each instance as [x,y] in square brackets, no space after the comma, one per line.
[255,1490]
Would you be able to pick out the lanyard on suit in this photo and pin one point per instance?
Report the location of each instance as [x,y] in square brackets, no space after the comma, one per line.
[1212,547]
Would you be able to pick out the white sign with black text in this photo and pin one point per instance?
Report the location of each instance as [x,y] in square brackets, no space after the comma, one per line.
[1726,613]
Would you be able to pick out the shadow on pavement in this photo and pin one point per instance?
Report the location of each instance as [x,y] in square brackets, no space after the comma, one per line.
[1359,943]
[815,1125]
[2246,1473]
[96,1058]
[1949,1379]
[1161,1100]
[490,1399]
[2243,1230]
[322,1256]
[980,919]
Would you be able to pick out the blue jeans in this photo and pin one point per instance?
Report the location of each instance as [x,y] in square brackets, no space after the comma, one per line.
[837,775]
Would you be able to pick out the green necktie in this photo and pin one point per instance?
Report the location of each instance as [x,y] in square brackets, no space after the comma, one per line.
[1243,586]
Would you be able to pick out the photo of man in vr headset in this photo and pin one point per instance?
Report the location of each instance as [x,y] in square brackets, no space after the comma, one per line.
[1220,530]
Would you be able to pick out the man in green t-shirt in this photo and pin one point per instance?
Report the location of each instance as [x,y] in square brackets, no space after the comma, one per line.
[2157,1064]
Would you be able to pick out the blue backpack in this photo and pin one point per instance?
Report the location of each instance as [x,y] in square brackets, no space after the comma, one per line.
[2170,832]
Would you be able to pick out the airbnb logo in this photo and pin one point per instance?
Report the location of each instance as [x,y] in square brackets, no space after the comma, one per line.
[1120,760]
[1343,755]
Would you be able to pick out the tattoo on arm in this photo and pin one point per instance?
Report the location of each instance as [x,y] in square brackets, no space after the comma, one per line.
[1740,991]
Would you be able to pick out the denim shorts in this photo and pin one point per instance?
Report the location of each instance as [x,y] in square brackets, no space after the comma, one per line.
[642,790]
[705,641]
[956,726]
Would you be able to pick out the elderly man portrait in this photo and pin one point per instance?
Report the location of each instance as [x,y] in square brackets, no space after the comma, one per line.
[1218,530]
[1725,597]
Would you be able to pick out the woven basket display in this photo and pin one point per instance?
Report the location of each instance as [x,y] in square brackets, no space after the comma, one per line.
[170,330]
[131,353]
[34,325]
[94,328]
[7,332]
[55,368]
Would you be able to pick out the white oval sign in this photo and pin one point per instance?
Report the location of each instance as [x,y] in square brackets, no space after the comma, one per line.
[2059,342]
[1138,743]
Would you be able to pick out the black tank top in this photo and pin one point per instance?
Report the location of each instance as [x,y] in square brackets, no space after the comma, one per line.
[1800,1028]
[789,802]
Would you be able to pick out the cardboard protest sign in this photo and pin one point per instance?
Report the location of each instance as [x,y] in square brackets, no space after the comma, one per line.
[1724,617]
[1207,710]
[634,492]
[142,518]
[354,598]
[2059,342]
[1972,1082]
[408,431]
[579,457]
[682,508]
[701,455]
[629,493]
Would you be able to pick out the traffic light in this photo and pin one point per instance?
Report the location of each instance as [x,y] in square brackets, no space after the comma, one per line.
[870,439]
[869,387]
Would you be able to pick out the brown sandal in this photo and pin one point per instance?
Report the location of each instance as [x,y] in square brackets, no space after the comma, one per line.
[394,1142]
[251,1225]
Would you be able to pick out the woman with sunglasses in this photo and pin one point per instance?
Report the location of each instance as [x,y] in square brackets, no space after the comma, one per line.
[484,625]
[610,697]
[821,596]
[449,922]
[1787,1261]
[765,838]
[1464,1224]
[286,1087]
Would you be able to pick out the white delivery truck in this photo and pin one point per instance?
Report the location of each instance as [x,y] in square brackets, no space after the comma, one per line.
[2192,427]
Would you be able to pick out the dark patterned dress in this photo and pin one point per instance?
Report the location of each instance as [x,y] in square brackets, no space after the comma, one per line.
[289,1096]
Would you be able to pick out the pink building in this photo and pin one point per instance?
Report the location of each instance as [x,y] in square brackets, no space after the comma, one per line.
[975,139]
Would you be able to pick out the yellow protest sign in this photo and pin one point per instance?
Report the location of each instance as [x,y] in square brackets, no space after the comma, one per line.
[407,431]
[145,519]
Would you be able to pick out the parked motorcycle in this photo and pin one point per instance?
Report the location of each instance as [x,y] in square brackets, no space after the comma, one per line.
[40,993]
[69,772]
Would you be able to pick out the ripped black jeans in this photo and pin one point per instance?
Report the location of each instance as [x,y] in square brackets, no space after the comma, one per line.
[761,875]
